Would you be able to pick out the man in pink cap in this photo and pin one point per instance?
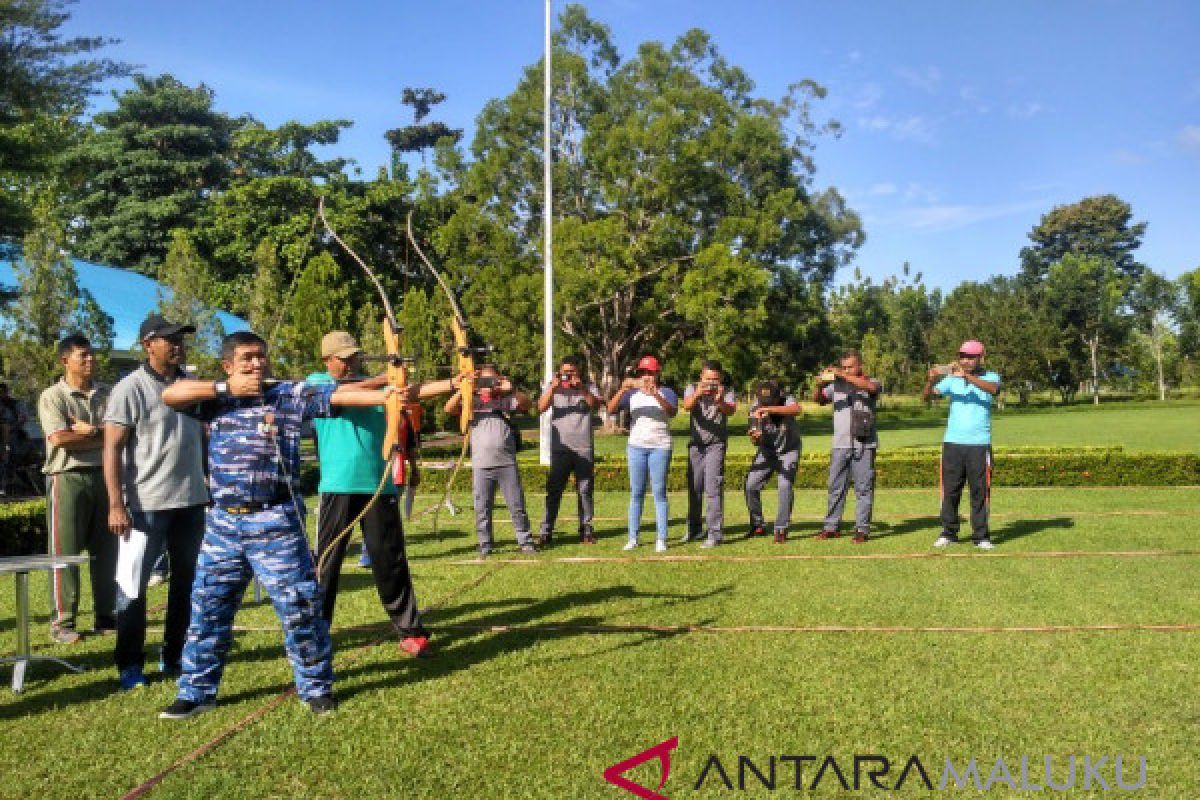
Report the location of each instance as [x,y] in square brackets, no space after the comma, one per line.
[967,445]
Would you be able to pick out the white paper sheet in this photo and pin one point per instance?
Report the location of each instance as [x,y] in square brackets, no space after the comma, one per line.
[130,553]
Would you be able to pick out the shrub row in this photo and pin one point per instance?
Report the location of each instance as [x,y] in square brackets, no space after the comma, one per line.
[23,528]
[23,525]
[919,468]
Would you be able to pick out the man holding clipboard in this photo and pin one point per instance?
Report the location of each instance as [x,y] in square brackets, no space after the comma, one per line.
[154,471]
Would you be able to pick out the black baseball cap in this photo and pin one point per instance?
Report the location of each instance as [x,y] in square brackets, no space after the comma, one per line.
[157,325]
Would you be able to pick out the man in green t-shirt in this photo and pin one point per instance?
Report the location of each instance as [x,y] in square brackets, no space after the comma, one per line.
[350,449]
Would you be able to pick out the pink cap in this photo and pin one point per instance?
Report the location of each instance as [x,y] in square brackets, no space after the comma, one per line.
[971,347]
[648,363]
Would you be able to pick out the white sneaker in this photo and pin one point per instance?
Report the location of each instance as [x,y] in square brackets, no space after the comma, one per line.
[630,545]
[660,546]
[985,545]
[944,541]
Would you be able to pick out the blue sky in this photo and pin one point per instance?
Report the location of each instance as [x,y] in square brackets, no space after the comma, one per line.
[964,122]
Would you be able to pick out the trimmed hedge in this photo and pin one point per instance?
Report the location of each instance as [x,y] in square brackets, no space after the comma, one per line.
[23,524]
[917,468]
[23,528]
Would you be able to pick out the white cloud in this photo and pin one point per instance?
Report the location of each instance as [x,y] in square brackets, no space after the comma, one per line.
[970,96]
[882,189]
[926,79]
[912,128]
[1189,138]
[1025,110]
[854,56]
[920,193]
[867,97]
[1127,158]
[933,218]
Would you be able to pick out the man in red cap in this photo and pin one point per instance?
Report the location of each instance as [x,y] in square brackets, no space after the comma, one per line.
[967,445]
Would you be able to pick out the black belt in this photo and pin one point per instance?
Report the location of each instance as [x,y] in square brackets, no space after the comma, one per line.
[247,508]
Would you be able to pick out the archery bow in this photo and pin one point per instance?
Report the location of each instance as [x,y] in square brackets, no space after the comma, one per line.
[400,416]
[465,361]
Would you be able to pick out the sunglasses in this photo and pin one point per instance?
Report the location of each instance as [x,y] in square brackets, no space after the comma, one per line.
[968,355]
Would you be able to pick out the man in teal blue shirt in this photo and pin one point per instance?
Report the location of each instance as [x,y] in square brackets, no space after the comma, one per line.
[350,450]
[967,445]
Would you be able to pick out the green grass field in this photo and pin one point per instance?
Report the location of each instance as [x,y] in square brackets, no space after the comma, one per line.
[552,668]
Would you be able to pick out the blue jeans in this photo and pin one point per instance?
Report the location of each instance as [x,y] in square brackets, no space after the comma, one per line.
[652,460]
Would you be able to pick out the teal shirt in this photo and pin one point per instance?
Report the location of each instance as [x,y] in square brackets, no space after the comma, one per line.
[970,419]
[349,447]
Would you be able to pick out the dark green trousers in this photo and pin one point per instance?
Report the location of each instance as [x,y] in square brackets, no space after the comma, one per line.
[77,520]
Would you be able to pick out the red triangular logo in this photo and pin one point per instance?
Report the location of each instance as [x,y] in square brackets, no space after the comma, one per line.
[662,751]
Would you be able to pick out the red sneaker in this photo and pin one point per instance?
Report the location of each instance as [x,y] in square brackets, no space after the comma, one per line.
[780,536]
[416,646]
[828,535]
[860,537]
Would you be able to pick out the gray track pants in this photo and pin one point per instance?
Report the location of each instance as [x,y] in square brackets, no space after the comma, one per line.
[765,464]
[563,464]
[485,480]
[706,485]
[846,464]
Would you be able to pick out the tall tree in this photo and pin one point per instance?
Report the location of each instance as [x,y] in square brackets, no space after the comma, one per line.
[49,305]
[147,170]
[1084,296]
[185,296]
[684,208]
[45,81]
[420,136]
[1022,342]
[262,152]
[321,303]
[1100,227]
[1154,302]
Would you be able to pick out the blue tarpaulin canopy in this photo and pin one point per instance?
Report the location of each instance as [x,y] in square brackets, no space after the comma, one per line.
[126,296]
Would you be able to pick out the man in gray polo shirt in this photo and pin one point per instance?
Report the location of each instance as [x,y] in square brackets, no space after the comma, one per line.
[710,403]
[571,402]
[851,456]
[154,471]
[494,455]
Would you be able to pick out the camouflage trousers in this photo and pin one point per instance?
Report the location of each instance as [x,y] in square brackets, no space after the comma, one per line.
[271,546]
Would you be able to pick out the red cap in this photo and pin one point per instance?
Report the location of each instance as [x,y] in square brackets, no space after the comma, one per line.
[648,364]
[971,347]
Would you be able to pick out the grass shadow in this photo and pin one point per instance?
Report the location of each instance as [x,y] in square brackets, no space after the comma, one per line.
[461,648]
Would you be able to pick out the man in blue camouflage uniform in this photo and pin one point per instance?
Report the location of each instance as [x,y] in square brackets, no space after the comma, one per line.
[255,526]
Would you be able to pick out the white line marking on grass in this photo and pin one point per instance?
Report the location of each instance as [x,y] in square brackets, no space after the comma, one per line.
[616,628]
[804,557]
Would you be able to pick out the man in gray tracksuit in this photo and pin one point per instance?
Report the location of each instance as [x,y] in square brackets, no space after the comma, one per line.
[850,457]
[710,403]
[571,402]
[772,427]
[494,455]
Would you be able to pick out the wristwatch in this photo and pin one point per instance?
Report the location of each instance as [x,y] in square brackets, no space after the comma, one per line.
[221,388]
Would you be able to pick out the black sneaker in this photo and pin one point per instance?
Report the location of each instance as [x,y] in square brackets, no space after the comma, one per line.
[544,539]
[325,704]
[182,709]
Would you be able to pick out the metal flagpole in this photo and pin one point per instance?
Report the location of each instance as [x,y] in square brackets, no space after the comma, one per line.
[548,248]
